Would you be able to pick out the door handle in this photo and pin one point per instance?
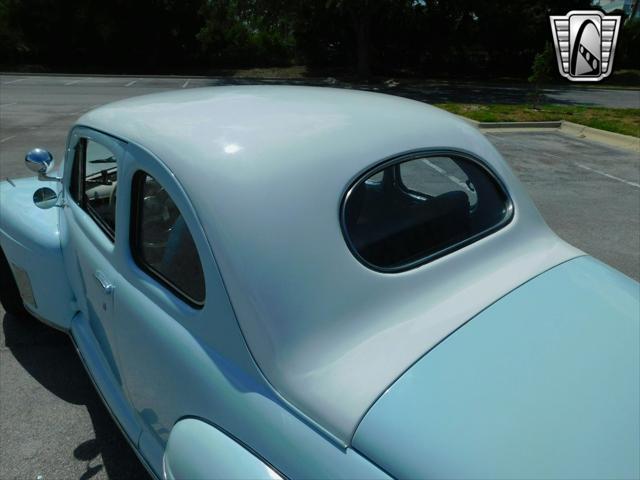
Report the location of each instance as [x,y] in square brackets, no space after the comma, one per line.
[106,285]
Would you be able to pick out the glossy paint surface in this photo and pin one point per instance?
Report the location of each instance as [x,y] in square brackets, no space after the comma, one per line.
[196,449]
[31,240]
[156,360]
[265,169]
[545,383]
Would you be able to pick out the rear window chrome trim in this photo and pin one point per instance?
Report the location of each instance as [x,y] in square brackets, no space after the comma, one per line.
[414,155]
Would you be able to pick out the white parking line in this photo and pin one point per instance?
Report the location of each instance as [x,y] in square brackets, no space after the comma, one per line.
[72,82]
[131,83]
[604,174]
[441,171]
[7,139]
[8,104]
[14,81]
[184,85]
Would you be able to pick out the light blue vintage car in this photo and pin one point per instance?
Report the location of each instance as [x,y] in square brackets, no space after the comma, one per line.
[271,282]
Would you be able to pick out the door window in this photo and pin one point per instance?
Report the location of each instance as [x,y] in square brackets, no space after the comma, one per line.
[94,182]
[161,242]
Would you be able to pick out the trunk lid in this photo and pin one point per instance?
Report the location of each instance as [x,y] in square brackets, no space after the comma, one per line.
[544,383]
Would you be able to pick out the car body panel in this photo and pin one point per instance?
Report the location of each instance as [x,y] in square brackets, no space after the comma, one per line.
[173,360]
[90,255]
[254,153]
[545,383]
[101,373]
[196,449]
[296,339]
[31,239]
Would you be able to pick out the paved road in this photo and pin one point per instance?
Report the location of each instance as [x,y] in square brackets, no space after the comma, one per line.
[52,422]
[587,192]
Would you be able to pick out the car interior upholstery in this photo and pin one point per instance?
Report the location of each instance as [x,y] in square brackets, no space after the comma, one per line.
[391,226]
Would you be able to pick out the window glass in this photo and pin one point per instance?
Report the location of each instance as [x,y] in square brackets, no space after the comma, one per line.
[162,243]
[375,179]
[440,177]
[94,181]
[412,211]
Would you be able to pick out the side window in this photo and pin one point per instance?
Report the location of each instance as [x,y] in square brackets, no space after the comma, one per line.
[94,181]
[406,213]
[161,242]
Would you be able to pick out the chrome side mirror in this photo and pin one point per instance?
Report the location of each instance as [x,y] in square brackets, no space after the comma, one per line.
[39,161]
[45,198]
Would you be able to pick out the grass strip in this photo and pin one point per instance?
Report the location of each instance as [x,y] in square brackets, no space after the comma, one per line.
[619,120]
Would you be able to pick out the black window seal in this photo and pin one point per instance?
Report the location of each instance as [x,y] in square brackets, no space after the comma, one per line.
[104,226]
[136,250]
[74,182]
[414,155]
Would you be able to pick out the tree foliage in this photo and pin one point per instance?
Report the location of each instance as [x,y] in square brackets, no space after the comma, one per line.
[246,32]
[628,51]
[419,37]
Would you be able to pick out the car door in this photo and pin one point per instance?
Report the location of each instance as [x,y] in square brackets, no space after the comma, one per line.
[173,316]
[164,293]
[90,219]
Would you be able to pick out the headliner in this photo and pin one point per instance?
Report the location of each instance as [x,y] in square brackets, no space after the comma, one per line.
[265,168]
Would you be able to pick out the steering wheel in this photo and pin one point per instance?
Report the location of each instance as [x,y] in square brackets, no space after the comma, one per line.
[158,219]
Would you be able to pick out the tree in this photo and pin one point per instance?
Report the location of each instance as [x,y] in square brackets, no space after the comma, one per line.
[360,14]
[436,37]
[247,33]
[11,42]
[542,71]
[634,9]
[628,50]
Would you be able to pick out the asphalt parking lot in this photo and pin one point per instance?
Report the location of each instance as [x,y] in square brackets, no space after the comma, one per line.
[52,422]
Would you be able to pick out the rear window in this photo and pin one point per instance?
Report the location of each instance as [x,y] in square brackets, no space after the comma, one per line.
[412,210]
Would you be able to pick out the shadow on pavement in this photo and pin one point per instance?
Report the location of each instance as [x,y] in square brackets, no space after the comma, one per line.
[60,371]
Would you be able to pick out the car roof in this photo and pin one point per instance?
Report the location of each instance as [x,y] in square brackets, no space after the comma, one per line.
[267,124]
[266,168]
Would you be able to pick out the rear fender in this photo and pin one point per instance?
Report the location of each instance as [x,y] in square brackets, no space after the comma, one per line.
[197,450]
[30,239]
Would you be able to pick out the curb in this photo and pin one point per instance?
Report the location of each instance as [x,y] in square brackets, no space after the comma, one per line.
[613,139]
[547,125]
[603,136]
[489,125]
